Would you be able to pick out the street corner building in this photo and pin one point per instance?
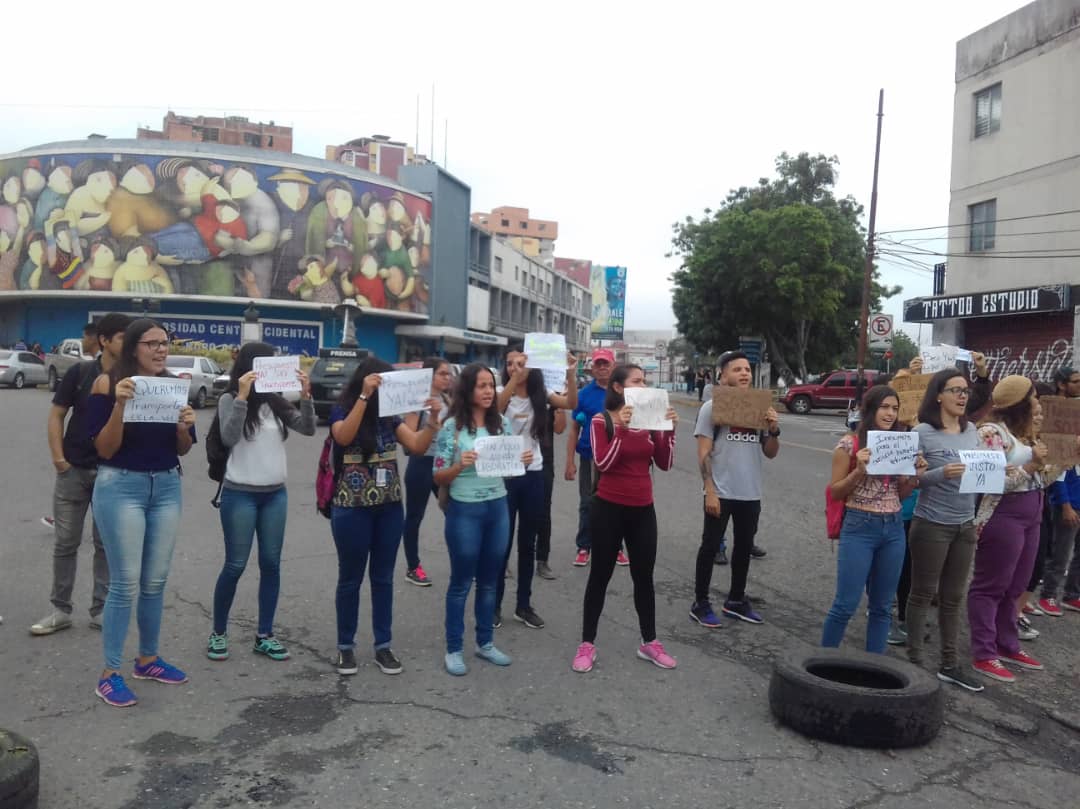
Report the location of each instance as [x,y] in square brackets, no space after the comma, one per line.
[192,233]
[1011,282]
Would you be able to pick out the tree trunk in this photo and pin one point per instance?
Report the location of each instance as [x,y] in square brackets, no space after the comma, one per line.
[802,341]
[776,356]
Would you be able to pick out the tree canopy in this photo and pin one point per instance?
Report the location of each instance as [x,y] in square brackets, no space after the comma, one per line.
[783,259]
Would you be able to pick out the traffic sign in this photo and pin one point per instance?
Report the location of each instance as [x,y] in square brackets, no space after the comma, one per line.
[753,348]
[881,329]
[661,350]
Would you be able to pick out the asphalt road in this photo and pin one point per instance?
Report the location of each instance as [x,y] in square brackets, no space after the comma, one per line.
[252,732]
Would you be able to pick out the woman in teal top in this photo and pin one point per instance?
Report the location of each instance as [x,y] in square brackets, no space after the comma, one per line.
[477,517]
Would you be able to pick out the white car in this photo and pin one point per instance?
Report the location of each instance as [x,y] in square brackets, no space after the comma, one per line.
[21,368]
[201,371]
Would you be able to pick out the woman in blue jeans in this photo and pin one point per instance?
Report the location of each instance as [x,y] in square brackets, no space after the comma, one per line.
[872,541]
[254,501]
[136,505]
[524,395]
[477,517]
[419,484]
[366,514]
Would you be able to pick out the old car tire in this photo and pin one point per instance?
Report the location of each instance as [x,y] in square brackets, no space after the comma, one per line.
[857,699]
[20,381]
[801,405]
[19,770]
[54,381]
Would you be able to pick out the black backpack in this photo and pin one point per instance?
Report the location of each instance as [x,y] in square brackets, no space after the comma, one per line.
[217,457]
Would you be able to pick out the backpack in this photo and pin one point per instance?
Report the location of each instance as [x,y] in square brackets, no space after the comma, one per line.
[327,476]
[609,429]
[834,509]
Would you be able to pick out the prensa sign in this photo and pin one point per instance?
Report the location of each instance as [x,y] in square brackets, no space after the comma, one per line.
[1028,300]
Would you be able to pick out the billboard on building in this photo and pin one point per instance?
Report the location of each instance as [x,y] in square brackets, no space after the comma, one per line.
[608,288]
[192,224]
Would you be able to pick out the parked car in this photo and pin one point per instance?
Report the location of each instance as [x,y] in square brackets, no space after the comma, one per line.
[834,391]
[201,371]
[19,369]
[68,354]
[329,375]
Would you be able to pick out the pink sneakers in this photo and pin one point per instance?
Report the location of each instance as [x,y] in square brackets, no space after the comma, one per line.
[584,659]
[582,558]
[653,651]
[621,560]
[994,670]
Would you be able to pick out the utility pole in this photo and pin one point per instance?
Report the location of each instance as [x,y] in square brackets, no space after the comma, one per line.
[864,314]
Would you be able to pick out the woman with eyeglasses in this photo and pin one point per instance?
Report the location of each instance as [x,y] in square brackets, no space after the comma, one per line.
[942,536]
[136,505]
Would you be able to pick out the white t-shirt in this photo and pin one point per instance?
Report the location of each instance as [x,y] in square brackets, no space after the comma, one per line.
[520,414]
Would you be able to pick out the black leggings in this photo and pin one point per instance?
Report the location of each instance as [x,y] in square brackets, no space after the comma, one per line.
[610,524]
[903,587]
[744,515]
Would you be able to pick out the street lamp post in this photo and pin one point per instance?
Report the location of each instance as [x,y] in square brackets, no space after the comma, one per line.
[349,311]
[251,328]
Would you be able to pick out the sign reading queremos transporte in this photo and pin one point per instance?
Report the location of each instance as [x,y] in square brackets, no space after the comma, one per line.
[1049,298]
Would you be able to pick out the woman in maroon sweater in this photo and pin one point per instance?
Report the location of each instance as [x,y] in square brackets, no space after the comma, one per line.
[622,510]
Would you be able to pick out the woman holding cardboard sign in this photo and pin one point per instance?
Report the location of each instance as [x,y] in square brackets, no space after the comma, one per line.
[366,516]
[524,400]
[477,517]
[622,511]
[872,540]
[136,505]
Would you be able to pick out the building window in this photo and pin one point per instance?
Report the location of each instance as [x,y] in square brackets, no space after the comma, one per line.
[988,111]
[252,139]
[983,219]
[515,272]
[542,226]
[505,223]
[524,225]
[498,264]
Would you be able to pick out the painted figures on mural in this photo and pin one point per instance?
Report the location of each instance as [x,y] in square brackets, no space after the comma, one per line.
[162,225]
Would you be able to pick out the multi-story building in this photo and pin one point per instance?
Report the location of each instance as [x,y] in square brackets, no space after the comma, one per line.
[233,130]
[377,154]
[533,237]
[1013,252]
[574,268]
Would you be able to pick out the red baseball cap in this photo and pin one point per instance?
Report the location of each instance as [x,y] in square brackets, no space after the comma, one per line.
[605,354]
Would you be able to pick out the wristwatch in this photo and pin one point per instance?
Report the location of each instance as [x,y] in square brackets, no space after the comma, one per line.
[362,397]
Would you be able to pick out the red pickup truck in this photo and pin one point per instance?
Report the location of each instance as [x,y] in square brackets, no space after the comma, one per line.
[834,391]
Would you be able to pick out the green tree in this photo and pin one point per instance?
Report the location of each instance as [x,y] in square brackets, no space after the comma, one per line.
[783,259]
[904,350]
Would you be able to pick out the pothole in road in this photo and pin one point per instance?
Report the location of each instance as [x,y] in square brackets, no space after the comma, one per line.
[557,740]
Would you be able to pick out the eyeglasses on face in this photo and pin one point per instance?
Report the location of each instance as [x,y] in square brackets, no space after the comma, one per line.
[154,345]
[957,391]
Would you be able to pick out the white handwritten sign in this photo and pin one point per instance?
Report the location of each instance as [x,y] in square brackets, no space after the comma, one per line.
[499,456]
[984,471]
[650,408]
[938,358]
[891,453]
[404,391]
[157,400]
[555,379]
[963,355]
[276,374]
[546,350]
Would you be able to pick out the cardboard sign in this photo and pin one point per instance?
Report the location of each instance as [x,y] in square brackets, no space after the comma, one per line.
[404,391]
[276,374]
[499,456]
[1060,427]
[555,379]
[911,390]
[741,407]
[984,471]
[546,351]
[1061,450]
[891,453]
[158,400]
[650,408]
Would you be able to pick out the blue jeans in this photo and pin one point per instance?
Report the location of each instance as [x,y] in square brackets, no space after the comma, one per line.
[419,486]
[243,516]
[524,497]
[361,533]
[870,558]
[138,514]
[477,535]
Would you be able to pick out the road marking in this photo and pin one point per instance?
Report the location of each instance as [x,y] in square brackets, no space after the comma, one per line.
[805,446]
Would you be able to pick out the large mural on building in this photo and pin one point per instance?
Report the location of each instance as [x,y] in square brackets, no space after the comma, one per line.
[166,224]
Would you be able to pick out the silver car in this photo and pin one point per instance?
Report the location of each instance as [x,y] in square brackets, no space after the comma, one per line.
[21,368]
[201,371]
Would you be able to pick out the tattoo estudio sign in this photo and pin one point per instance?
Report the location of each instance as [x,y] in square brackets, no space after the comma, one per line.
[1028,300]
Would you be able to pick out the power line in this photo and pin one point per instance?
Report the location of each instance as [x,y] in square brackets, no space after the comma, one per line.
[999,255]
[987,222]
[911,242]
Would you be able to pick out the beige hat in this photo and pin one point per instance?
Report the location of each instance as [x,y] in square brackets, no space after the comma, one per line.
[290,176]
[1011,390]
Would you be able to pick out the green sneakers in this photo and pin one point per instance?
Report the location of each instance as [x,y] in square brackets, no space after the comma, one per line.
[271,648]
[217,648]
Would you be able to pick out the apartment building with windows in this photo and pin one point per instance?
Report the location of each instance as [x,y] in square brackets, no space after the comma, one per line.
[533,237]
[231,130]
[1013,249]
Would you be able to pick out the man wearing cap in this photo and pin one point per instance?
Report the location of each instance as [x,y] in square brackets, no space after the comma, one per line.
[1064,500]
[590,403]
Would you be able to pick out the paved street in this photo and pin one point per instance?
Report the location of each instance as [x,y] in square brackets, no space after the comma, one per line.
[252,732]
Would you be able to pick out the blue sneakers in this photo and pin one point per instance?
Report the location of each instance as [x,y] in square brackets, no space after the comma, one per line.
[455,664]
[742,610]
[489,653]
[157,669]
[702,612]
[115,692]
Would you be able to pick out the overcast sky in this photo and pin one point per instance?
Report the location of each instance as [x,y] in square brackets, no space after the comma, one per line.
[614,119]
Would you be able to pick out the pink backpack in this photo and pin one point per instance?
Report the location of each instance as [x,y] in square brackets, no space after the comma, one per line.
[834,509]
[326,477]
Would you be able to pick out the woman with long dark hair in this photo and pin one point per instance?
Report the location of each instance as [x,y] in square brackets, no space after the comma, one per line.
[622,512]
[477,518]
[525,400]
[254,500]
[136,504]
[419,483]
[1007,527]
[366,514]
[872,541]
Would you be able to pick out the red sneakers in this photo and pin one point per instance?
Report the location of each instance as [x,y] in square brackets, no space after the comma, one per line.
[1023,660]
[1071,604]
[1050,607]
[582,558]
[621,559]
[994,670]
